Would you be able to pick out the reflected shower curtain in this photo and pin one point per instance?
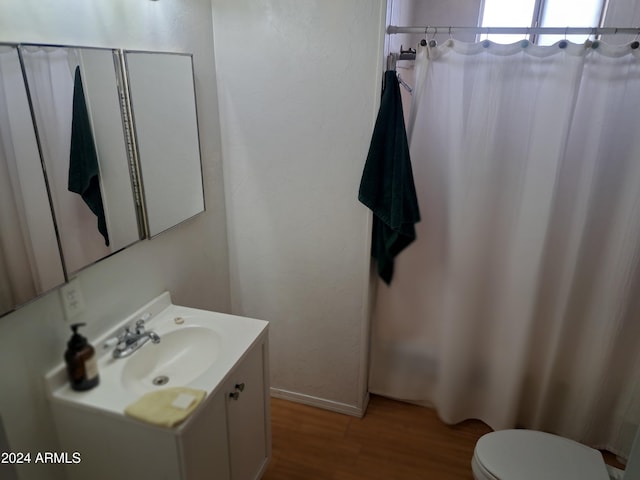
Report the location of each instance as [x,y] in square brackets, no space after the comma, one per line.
[18,274]
[519,303]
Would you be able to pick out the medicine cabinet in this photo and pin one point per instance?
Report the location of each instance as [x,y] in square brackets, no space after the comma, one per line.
[161,87]
[99,149]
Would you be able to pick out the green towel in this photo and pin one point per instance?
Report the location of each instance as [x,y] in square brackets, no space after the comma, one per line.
[387,186]
[84,174]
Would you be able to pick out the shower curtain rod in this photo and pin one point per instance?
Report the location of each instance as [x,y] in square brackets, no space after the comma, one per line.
[393,29]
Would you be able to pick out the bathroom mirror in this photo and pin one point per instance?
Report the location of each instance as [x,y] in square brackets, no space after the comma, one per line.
[77,110]
[163,104]
[30,262]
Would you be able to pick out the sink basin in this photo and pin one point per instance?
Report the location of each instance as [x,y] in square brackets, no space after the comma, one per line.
[197,349]
[180,357]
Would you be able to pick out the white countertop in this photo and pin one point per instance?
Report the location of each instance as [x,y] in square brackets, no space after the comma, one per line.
[237,335]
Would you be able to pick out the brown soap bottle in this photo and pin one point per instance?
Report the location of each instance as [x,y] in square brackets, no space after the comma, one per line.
[80,358]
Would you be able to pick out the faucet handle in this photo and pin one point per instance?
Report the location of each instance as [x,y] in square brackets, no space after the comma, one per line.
[120,339]
[110,342]
[124,333]
[140,323]
[140,326]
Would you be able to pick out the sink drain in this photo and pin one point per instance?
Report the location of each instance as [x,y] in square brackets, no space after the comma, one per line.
[160,380]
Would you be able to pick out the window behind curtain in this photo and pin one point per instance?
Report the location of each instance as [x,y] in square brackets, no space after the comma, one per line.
[542,13]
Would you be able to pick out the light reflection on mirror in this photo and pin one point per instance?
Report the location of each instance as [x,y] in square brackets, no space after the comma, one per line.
[30,261]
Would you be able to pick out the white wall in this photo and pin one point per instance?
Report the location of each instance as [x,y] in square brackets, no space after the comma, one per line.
[412,13]
[190,261]
[299,83]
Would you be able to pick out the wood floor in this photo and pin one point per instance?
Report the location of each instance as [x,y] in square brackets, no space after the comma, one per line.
[394,440]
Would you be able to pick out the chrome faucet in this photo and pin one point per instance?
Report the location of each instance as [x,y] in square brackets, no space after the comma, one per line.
[131,340]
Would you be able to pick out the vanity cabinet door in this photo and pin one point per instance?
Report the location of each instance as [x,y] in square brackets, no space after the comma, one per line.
[204,448]
[248,416]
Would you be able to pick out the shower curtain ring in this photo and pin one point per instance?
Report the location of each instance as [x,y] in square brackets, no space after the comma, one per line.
[432,41]
[563,43]
[524,43]
[449,42]
[423,42]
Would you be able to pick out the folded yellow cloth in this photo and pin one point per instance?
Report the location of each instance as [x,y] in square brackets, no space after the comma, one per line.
[167,407]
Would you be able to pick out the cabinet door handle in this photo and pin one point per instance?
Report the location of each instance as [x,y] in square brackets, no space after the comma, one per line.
[234,395]
[240,386]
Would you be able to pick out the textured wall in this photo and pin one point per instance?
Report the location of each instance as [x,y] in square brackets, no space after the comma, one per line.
[298,86]
[190,261]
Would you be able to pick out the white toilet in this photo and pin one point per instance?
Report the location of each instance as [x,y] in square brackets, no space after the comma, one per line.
[533,455]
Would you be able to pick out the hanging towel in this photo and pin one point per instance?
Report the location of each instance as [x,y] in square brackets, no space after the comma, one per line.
[387,186]
[167,407]
[84,175]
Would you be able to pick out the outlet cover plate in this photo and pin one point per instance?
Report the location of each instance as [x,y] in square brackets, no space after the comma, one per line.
[72,300]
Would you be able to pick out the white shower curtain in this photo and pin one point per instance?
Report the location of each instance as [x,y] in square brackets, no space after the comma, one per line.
[519,304]
[29,257]
[17,282]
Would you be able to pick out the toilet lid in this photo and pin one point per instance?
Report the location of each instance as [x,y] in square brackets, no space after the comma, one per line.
[532,455]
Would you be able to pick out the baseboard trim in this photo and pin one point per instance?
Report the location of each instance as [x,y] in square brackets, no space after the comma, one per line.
[321,402]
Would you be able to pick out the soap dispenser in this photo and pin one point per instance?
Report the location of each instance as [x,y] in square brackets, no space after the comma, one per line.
[80,358]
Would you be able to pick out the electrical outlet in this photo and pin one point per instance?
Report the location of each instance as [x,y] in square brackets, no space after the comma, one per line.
[72,300]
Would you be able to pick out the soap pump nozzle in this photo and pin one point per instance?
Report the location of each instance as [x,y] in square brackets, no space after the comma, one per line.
[77,341]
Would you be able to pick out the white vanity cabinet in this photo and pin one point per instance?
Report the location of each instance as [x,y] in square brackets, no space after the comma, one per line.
[242,407]
[247,417]
[227,437]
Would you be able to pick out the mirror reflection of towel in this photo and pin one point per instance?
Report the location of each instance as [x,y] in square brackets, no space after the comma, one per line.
[84,174]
